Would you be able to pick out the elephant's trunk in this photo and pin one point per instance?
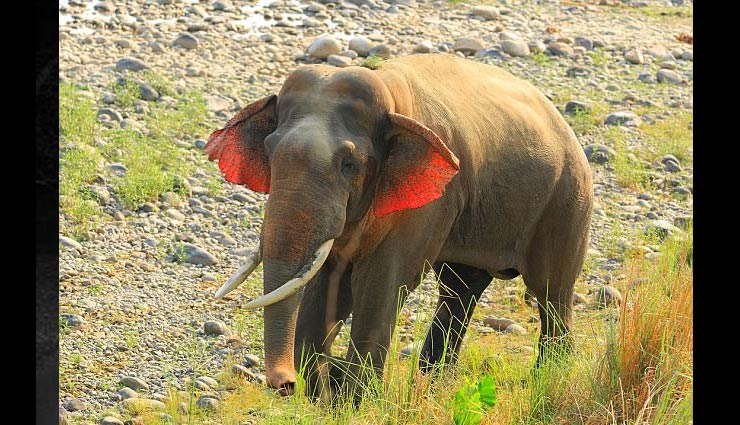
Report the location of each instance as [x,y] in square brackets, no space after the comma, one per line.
[297,237]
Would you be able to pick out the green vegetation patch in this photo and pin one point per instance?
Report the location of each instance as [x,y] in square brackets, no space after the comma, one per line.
[153,160]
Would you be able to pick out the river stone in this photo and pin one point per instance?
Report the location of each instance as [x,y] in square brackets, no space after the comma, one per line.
[130,64]
[135,405]
[240,370]
[72,320]
[574,107]
[668,76]
[69,243]
[625,118]
[338,61]
[634,57]
[598,154]
[147,92]
[467,46]
[196,255]
[537,47]
[608,296]
[361,45]
[127,392]
[499,324]
[515,329]
[207,403]
[516,48]
[425,46]
[487,12]
[323,47]
[134,383]
[558,48]
[186,41]
[584,42]
[215,327]
[381,50]
[577,71]
[74,404]
[111,420]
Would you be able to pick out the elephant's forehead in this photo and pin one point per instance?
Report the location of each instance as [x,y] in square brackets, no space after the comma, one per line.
[324,84]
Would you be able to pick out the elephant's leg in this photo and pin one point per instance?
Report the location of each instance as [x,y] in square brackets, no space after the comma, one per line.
[554,260]
[326,303]
[460,288]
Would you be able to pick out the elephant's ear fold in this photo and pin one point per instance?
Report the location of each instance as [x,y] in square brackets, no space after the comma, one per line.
[418,167]
[239,147]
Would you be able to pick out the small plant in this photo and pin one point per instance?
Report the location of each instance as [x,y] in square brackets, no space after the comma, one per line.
[127,91]
[373,62]
[96,289]
[472,401]
[600,57]
[539,58]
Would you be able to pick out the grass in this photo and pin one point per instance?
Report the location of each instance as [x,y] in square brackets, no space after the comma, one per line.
[630,365]
[154,161]
[673,135]
[372,62]
[600,57]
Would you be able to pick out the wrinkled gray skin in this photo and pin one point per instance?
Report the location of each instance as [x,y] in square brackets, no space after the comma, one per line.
[338,148]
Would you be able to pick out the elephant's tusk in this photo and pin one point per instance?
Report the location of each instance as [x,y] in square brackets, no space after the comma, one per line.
[242,274]
[293,285]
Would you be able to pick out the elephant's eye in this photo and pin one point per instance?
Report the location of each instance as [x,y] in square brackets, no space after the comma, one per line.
[349,169]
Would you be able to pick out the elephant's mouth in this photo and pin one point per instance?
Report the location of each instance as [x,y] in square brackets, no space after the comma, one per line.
[301,278]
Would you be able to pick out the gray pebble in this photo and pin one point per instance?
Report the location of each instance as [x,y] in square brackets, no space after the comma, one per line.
[72,320]
[240,370]
[251,360]
[338,61]
[558,48]
[147,92]
[148,207]
[516,48]
[425,46]
[574,107]
[608,296]
[127,392]
[215,327]
[69,243]
[486,12]
[324,46]
[361,45]
[467,46]
[598,154]
[634,57]
[196,255]
[207,403]
[111,420]
[74,404]
[577,71]
[130,64]
[141,404]
[134,383]
[515,329]
[111,113]
[498,324]
[381,50]
[584,42]
[668,76]
[186,41]
[625,118]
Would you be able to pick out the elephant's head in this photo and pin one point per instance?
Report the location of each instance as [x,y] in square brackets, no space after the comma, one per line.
[330,150]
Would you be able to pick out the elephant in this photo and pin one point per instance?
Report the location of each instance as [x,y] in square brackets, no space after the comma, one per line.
[377,175]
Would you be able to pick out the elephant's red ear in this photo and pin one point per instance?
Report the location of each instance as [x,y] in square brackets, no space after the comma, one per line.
[239,148]
[417,169]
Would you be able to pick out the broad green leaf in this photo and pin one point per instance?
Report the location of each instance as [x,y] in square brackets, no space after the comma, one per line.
[487,391]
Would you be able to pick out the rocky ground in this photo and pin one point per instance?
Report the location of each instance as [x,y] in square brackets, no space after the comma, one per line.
[138,319]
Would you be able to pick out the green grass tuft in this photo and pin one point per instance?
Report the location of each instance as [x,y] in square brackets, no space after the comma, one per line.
[372,62]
